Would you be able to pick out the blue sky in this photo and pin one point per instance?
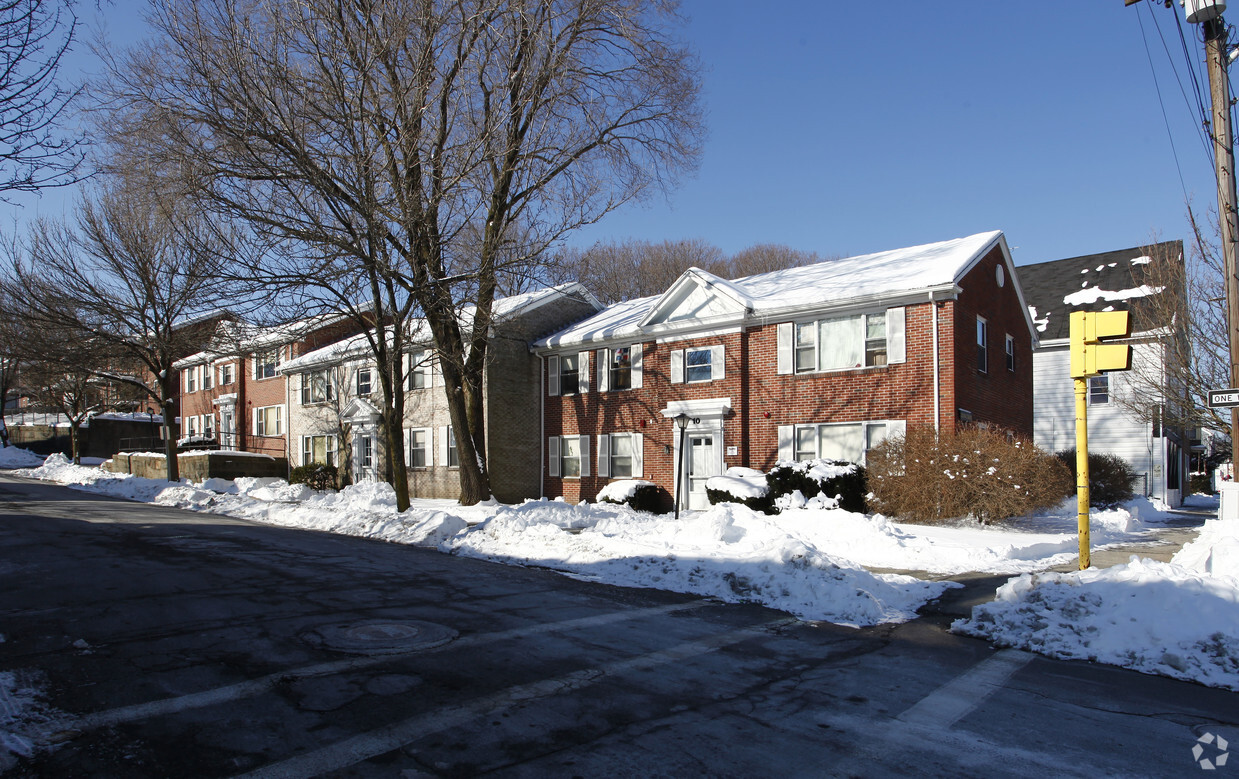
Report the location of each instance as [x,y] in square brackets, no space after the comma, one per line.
[851,127]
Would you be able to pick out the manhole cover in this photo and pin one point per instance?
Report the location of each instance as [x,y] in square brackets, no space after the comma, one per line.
[379,637]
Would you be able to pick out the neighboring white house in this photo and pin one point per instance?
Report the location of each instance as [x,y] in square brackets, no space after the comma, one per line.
[1104,282]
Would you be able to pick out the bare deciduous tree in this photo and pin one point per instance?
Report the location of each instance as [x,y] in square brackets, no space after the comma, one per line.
[59,371]
[410,153]
[1186,313]
[627,270]
[137,277]
[35,150]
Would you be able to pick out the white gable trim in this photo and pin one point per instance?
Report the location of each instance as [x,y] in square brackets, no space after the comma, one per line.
[695,279]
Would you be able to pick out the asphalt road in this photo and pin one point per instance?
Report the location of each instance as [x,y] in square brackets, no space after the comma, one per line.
[170,643]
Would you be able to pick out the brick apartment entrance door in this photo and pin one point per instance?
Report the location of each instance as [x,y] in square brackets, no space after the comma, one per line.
[702,464]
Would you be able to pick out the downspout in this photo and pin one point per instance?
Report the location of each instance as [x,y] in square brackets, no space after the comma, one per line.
[933,309]
[542,426]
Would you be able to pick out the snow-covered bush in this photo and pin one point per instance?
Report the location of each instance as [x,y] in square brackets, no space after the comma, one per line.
[987,474]
[637,494]
[842,481]
[1111,479]
[745,486]
[792,485]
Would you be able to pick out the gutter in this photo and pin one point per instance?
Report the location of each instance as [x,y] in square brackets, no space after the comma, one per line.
[933,309]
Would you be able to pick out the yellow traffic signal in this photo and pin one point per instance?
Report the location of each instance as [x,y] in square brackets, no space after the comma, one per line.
[1089,355]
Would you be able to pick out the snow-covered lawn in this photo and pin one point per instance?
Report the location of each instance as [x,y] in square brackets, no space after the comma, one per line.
[1178,619]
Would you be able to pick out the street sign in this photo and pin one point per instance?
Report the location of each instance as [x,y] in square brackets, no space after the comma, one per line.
[1091,354]
[1227,398]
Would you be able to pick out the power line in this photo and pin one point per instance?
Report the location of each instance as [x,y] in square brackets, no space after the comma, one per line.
[1162,102]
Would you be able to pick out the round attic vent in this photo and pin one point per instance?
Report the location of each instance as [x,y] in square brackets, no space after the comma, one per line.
[1001,275]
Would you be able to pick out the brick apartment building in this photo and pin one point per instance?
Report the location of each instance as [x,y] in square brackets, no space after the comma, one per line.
[235,396]
[818,361]
[334,403]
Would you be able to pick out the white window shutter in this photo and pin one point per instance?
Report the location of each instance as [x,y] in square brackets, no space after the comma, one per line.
[583,367]
[604,455]
[552,453]
[444,432]
[638,465]
[254,421]
[405,433]
[677,366]
[552,375]
[787,442]
[604,364]
[434,375]
[718,362]
[430,450]
[634,355]
[584,455]
[787,331]
[896,428]
[896,342]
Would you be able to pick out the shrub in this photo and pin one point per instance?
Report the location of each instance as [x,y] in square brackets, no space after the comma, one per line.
[1201,484]
[642,497]
[314,476]
[1111,479]
[984,473]
[843,481]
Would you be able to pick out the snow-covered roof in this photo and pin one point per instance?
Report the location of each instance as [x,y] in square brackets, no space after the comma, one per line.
[702,297]
[358,347]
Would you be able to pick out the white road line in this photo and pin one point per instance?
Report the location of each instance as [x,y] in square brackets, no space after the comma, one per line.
[951,702]
[376,742]
[248,689]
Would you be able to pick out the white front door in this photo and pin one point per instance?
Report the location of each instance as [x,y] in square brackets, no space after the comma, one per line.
[701,462]
[363,457]
[227,427]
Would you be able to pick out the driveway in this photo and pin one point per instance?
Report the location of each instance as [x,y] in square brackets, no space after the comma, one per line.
[170,643]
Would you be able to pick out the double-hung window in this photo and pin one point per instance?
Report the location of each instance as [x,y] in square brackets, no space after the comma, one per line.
[865,340]
[621,368]
[569,374]
[568,456]
[619,455]
[363,382]
[316,388]
[1010,350]
[208,425]
[420,371]
[450,457]
[226,374]
[208,377]
[1099,390]
[265,363]
[318,450]
[419,448]
[698,364]
[191,378]
[269,420]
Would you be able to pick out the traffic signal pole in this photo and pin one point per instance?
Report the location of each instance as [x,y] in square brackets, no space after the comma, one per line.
[1082,497]
[1093,352]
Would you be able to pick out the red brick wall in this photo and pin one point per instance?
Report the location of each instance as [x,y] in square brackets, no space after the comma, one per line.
[997,396]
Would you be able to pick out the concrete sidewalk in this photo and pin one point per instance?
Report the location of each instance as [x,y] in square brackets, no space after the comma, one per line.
[979,587]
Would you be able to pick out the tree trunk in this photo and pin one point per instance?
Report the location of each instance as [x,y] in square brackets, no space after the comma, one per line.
[169,443]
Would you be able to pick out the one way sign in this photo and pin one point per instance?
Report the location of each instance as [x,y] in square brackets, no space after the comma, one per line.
[1226,398]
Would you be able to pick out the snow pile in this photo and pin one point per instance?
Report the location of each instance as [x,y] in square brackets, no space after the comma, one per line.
[15,457]
[1150,616]
[728,552]
[1215,551]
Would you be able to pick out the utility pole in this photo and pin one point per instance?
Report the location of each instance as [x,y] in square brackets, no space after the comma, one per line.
[1208,13]
[1224,160]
